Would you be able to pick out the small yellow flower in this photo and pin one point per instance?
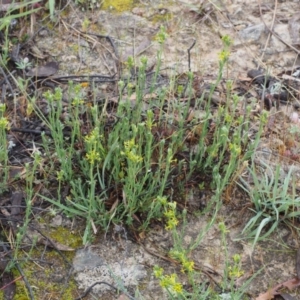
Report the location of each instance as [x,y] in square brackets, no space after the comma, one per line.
[4,123]
[172,279]
[94,137]
[77,101]
[171,223]
[170,214]
[235,272]
[129,144]
[188,265]
[164,282]
[130,151]
[177,287]
[133,157]
[170,282]
[158,272]
[224,55]
[93,156]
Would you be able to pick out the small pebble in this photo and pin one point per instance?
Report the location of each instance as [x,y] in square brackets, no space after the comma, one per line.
[295,118]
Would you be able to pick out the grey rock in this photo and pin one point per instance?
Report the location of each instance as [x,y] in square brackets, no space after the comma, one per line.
[252,33]
[85,259]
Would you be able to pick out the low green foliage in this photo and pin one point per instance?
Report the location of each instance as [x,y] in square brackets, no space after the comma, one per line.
[126,170]
[192,275]
[128,160]
[5,23]
[132,162]
[274,201]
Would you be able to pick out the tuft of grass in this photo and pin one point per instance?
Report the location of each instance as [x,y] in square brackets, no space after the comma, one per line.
[123,165]
[117,169]
[274,201]
[134,159]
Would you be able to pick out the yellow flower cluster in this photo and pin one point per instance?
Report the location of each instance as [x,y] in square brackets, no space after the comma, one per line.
[92,156]
[224,55]
[168,282]
[170,214]
[172,221]
[187,265]
[4,123]
[77,101]
[95,149]
[130,151]
[93,137]
[235,271]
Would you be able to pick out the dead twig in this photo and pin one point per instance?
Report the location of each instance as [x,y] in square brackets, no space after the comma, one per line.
[272,26]
[189,54]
